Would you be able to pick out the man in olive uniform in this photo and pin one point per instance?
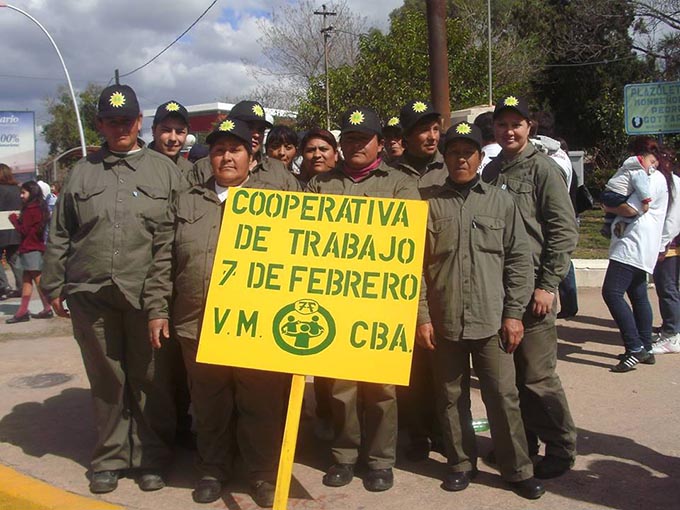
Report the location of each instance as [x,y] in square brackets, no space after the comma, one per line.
[539,189]
[476,283]
[421,125]
[170,129]
[364,414]
[231,405]
[97,256]
[271,170]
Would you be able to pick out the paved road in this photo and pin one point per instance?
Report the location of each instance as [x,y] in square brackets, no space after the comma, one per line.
[629,446]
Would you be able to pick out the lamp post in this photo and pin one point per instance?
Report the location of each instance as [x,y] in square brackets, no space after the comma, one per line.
[488,30]
[68,78]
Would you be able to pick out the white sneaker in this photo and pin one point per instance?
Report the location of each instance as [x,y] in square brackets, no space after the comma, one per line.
[668,345]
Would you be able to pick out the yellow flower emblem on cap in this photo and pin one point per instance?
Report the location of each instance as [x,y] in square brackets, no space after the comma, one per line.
[356,118]
[393,121]
[511,101]
[227,125]
[463,129]
[257,110]
[419,107]
[172,107]
[117,100]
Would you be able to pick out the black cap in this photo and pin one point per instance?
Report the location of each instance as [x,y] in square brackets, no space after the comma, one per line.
[415,111]
[512,103]
[118,101]
[393,125]
[462,131]
[197,152]
[361,119]
[171,108]
[249,111]
[232,127]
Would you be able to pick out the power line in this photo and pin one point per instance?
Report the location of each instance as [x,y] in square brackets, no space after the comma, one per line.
[173,42]
[583,64]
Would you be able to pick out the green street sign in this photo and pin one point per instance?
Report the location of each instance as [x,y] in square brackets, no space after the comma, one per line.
[652,108]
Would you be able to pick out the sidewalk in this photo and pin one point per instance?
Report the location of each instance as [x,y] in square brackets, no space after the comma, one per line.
[629,445]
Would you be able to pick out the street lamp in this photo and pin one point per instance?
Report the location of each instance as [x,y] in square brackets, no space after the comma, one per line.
[68,78]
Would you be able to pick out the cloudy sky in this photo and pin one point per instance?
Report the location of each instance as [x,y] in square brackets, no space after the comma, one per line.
[97,36]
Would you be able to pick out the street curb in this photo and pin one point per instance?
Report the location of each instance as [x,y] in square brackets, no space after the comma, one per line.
[22,487]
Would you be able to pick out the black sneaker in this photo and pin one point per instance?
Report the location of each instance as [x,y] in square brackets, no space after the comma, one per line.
[651,360]
[630,360]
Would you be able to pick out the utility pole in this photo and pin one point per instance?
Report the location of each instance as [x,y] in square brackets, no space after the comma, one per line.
[439,62]
[117,77]
[327,30]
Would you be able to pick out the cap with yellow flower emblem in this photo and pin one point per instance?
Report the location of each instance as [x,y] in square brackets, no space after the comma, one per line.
[169,108]
[393,126]
[462,131]
[250,111]
[516,103]
[415,111]
[361,119]
[118,101]
[231,127]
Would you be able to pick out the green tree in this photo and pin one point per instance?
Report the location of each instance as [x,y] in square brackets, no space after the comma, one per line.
[392,68]
[61,132]
[590,59]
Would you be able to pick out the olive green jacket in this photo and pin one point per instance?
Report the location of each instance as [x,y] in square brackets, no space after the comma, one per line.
[270,171]
[431,179]
[105,220]
[184,253]
[383,182]
[185,166]
[538,186]
[477,265]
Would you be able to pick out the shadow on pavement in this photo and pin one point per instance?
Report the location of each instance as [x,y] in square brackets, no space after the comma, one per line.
[633,477]
[59,426]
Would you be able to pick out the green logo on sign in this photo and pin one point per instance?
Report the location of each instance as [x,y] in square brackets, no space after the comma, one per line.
[303,328]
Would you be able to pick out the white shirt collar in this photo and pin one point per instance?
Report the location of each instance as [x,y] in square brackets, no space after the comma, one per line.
[223,193]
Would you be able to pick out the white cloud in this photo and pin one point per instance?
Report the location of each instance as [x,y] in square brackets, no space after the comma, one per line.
[98,36]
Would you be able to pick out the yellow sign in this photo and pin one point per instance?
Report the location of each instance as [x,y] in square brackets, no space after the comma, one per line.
[324,285]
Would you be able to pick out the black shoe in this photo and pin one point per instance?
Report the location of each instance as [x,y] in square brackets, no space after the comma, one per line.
[207,490]
[630,360]
[150,481]
[418,450]
[651,360]
[21,318]
[103,482]
[378,480]
[14,294]
[338,475]
[262,493]
[455,481]
[552,467]
[45,314]
[566,315]
[529,488]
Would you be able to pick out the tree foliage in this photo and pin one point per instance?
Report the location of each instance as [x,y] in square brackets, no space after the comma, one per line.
[392,68]
[61,132]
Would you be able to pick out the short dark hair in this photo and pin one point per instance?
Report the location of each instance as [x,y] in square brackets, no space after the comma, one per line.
[545,123]
[484,122]
[281,135]
[317,132]
[641,145]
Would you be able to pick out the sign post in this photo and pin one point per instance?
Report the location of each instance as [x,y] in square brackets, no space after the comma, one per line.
[652,108]
[310,284]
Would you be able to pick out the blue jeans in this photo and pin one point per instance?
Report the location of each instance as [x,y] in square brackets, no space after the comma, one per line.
[568,293]
[666,283]
[635,325]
